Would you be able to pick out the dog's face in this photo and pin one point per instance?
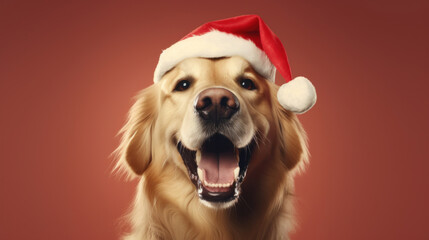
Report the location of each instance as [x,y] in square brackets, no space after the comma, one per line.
[216,110]
[218,122]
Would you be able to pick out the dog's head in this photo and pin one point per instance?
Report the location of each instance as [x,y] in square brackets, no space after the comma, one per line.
[218,122]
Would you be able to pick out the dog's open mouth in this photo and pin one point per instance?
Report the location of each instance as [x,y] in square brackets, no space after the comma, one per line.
[218,168]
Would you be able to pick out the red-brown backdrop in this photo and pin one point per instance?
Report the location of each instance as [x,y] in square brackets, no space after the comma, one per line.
[69,71]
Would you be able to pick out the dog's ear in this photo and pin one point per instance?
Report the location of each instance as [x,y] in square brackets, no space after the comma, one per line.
[292,137]
[134,152]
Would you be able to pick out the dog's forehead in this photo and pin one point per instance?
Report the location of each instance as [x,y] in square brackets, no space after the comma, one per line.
[233,66]
[195,66]
[209,66]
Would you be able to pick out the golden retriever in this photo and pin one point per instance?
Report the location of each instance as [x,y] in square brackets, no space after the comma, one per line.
[215,152]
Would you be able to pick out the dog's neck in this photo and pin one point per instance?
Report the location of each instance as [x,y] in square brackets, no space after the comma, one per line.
[232,223]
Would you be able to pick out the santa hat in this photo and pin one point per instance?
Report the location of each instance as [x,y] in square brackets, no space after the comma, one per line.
[246,36]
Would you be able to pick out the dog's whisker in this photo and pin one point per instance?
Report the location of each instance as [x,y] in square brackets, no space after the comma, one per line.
[246,204]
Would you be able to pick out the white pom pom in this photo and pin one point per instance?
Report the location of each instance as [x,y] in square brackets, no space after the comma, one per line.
[298,95]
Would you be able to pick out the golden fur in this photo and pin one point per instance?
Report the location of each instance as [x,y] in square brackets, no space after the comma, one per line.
[167,205]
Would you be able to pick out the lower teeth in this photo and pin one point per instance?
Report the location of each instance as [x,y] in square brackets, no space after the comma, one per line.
[218,185]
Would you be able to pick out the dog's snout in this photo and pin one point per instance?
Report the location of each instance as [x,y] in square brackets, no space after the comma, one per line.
[215,104]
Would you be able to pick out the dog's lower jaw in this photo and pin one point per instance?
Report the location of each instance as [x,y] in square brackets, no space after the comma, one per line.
[219,205]
[222,159]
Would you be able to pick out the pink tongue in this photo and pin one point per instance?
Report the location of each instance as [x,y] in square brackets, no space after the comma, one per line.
[218,165]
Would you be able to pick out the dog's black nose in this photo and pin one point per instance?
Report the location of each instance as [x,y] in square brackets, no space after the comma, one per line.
[216,104]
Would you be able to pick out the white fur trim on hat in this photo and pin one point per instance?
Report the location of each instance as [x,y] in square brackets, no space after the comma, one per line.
[298,95]
[212,45]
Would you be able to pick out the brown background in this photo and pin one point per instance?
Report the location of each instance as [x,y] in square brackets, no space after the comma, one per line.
[69,71]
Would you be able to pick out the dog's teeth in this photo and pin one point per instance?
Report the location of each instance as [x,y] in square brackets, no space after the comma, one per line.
[236,172]
[198,157]
[217,185]
[200,173]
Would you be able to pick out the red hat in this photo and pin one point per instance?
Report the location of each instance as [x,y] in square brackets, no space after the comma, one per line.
[246,36]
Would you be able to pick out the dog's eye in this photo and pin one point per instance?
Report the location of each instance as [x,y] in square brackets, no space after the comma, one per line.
[247,84]
[182,85]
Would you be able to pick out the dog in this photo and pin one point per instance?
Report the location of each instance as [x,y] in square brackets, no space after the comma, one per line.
[215,152]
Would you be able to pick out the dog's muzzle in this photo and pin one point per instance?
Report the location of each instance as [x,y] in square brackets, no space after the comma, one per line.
[218,166]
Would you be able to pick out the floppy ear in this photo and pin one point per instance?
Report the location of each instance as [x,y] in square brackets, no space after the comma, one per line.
[134,152]
[292,137]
